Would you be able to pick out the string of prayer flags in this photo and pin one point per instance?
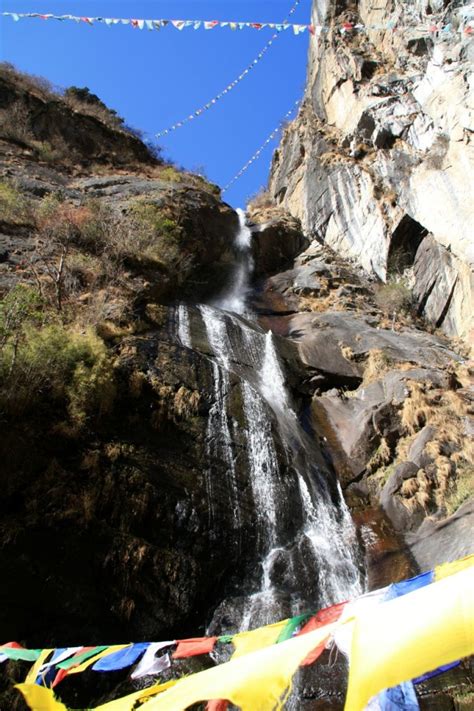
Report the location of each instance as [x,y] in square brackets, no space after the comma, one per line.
[292,627]
[257,153]
[212,102]
[80,656]
[194,646]
[322,618]
[35,669]
[257,680]
[393,638]
[158,24]
[447,569]
[466,25]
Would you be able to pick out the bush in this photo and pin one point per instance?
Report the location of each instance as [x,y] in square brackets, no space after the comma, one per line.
[55,363]
[81,99]
[15,207]
[394,298]
[260,200]
[156,236]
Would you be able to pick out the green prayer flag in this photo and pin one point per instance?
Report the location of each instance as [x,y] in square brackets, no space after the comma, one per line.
[226,638]
[74,661]
[23,655]
[292,625]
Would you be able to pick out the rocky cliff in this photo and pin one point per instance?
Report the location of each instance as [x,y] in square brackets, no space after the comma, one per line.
[377,163]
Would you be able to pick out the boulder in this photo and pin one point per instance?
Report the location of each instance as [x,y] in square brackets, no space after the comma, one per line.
[276,240]
[355,425]
[437,542]
[337,344]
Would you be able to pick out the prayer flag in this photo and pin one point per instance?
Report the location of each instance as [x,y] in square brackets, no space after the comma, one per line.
[40,698]
[250,641]
[192,647]
[121,659]
[446,569]
[427,628]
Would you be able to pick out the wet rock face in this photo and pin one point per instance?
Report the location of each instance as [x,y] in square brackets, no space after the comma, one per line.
[383,137]
[121,535]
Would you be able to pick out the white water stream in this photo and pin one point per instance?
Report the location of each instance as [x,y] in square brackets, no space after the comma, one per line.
[321,553]
[235,297]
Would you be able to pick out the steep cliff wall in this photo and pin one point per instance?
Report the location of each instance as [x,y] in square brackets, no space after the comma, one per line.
[377,163]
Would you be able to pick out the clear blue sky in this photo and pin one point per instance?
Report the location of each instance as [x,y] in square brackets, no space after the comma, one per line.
[154,79]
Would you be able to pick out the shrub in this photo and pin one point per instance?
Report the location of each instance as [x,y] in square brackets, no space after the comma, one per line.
[394,298]
[171,174]
[15,123]
[14,206]
[21,305]
[260,200]
[55,363]
[81,99]
[462,488]
[156,236]
[30,82]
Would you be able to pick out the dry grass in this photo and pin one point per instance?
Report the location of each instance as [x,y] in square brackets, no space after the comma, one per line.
[380,458]
[262,199]
[448,480]
[376,365]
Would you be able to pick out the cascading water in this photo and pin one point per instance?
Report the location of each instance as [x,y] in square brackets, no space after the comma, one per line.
[305,535]
[184,331]
[234,298]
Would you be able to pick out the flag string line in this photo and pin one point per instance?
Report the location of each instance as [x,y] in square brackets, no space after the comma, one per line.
[345,28]
[258,152]
[158,24]
[212,102]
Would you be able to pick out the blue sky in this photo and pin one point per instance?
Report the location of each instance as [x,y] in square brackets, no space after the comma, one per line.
[154,79]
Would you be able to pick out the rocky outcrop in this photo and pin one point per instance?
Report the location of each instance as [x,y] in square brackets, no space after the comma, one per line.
[376,163]
[29,115]
[276,240]
[391,405]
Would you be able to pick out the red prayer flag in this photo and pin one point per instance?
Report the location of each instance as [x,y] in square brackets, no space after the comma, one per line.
[217,705]
[13,645]
[193,646]
[322,618]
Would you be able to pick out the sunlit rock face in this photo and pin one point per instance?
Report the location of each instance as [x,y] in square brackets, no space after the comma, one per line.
[377,163]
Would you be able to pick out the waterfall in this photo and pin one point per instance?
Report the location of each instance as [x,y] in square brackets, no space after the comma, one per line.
[184,330]
[218,435]
[234,297]
[302,527]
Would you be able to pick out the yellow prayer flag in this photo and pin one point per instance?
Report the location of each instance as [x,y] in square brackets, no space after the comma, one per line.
[34,671]
[442,571]
[92,660]
[257,681]
[411,635]
[39,698]
[127,703]
[250,641]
